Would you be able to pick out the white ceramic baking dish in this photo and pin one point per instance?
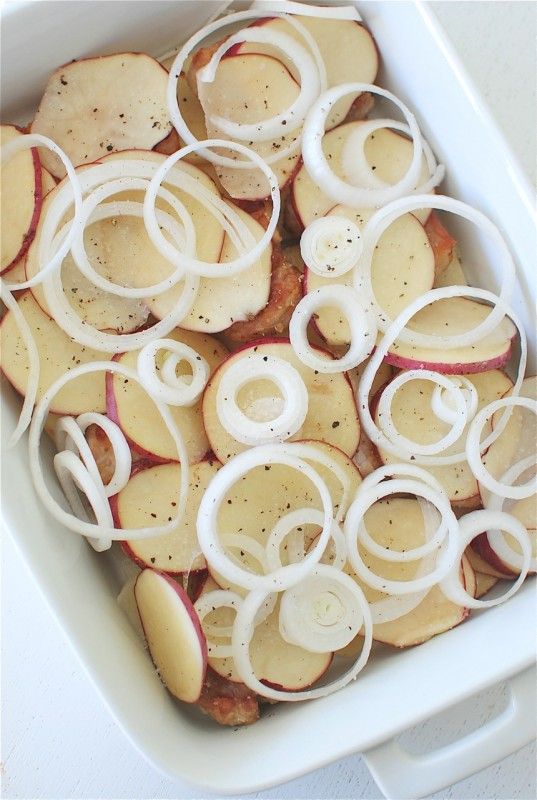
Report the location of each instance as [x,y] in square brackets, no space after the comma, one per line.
[80,586]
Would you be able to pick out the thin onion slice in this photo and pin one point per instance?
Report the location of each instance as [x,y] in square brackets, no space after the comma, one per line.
[323,612]
[53,507]
[168,387]
[292,520]
[322,174]
[362,325]
[254,368]
[474,449]
[348,12]
[209,602]
[443,407]
[207,521]
[331,246]
[470,526]
[34,366]
[120,446]
[243,631]
[51,262]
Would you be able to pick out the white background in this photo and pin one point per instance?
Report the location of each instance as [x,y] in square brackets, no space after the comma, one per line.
[58,740]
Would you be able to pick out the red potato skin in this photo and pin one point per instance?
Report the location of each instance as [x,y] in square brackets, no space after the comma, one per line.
[451,369]
[279,688]
[482,547]
[38,202]
[441,241]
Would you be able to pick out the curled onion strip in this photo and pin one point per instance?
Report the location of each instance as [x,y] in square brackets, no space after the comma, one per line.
[474,449]
[34,366]
[222,482]
[323,612]
[286,121]
[303,10]
[331,246]
[49,261]
[168,387]
[253,368]
[445,409]
[375,434]
[122,453]
[60,515]
[459,413]
[72,475]
[246,544]
[178,258]
[469,527]
[494,502]
[322,174]
[358,170]
[356,534]
[379,223]
[287,524]
[243,631]
[361,322]
[211,601]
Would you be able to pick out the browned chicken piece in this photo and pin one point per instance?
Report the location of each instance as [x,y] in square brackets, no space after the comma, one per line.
[226,702]
[285,292]
[441,241]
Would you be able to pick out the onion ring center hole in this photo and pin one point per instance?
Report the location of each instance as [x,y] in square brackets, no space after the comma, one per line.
[183,368]
[260,400]
[327,609]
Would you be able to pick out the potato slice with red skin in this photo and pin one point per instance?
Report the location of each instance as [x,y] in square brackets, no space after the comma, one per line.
[387,151]
[57,354]
[98,105]
[447,317]
[332,416]
[173,633]
[150,498]
[441,241]
[347,49]
[21,199]
[220,302]
[402,270]
[480,565]
[194,117]
[413,417]
[397,523]
[452,275]
[132,409]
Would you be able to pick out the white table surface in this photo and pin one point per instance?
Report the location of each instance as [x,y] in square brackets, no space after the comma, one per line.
[58,740]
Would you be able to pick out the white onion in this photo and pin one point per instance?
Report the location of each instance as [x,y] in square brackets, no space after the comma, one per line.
[380,222]
[494,502]
[331,246]
[474,449]
[257,367]
[222,482]
[306,10]
[246,544]
[443,407]
[120,446]
[470,526]
[50,261]
[312,453]
[286,121]
[357,168]
[361,322]
[297,518]
[34,365]
[217,269]
[211,601]
[322,174]
[323,612]
[377,436]
[459,412]
[168,387]
[60,515]
[356,534]
[243,631]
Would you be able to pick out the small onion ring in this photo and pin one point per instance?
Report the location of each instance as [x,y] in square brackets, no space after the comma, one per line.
[243,631]
[442,408]
[348,12]
[168,387]
[474,449]
[361,322]
[299,517]
[305,623]
[60,515]
[211,601]
[469,527]
[257,367]
[224,479]
[54,261]
[122,453]
[322,237]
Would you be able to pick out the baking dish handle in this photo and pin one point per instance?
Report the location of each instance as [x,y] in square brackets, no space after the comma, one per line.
[401,775]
